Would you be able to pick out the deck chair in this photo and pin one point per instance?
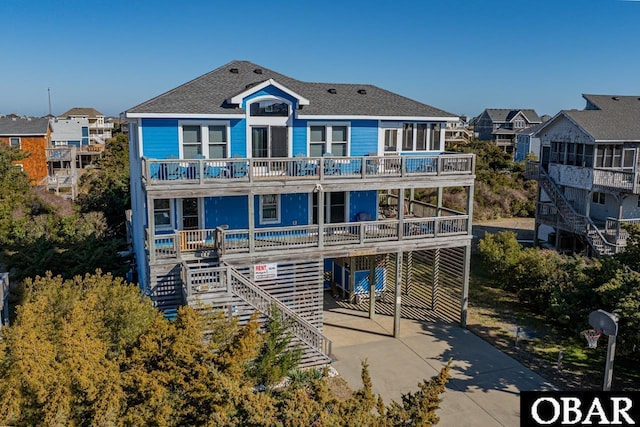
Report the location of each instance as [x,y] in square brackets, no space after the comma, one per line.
[238,169]
[330,166]
[172,169]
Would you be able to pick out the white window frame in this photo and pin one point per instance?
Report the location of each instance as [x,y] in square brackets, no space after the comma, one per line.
[327,211]
[19,142]
[278,203]
[19,166]
[268,121]
[204,135]
[398,127]
[164,227]
[328,129]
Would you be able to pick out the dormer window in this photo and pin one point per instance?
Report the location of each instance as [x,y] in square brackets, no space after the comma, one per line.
[269,108]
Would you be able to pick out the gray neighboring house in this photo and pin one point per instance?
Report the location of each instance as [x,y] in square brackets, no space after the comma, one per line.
[500,125]
[588,174]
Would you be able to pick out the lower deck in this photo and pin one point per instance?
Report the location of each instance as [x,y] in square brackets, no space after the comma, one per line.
[419,284]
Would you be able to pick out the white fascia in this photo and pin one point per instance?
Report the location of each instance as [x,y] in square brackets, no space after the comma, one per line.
[394,118]
[239,97]
[183,116]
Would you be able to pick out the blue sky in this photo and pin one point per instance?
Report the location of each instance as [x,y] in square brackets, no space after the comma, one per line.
[458,55]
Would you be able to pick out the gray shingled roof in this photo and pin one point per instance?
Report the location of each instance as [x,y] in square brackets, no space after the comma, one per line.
[530,130]
[506,114]
[208,93]
[618,118]
[23,126]
[81,111]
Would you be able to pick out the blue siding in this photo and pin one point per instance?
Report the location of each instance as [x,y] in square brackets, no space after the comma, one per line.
[231,211]
[363,201]
[294,210]
[238,138]
[160,138]
[364,137]
[300,137]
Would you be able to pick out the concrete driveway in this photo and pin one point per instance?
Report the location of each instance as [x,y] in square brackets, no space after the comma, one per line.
[485,384]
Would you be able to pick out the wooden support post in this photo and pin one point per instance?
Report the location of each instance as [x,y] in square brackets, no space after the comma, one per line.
[470,209]
[252,220]
[352,278]
[412,197]
[435,279]
[464,299]
[400,213]
[397,296]
[5,309]
[320,217]
[439,202]
[152,228]
[372,286]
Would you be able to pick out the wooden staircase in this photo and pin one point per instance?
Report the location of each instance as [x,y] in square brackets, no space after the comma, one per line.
[573,221]
[222,286]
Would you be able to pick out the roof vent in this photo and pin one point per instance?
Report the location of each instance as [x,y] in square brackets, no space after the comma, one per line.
[362,91]
[332,91]
[615,98]
[234,70]
[258,71]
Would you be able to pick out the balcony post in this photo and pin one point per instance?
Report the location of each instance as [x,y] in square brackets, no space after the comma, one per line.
[320,214]
[470,209]
[372,286]
[151,233]
[252,219]
[400,213]
[397,303]
[464,298]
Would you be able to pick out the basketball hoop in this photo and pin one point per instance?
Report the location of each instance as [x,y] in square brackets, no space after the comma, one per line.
[592,336]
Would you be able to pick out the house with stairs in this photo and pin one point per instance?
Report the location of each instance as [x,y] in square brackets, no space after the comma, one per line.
[588,175]
[254,191]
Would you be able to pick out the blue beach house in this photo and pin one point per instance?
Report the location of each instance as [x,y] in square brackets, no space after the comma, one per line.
[253,190]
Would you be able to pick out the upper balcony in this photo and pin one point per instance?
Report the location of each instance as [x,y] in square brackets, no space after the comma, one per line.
[221,174]
[617,180]
[67,152]
[100,125]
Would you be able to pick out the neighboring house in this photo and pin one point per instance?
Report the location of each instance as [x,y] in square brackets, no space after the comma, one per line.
[500,125]
[527,143]
[458,132]
[31,135]
[100,128]
[252,190]
[70,152]
[588,174]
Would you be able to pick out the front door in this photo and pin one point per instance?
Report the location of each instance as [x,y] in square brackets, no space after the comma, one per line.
[269,141]
[190,214]
[335,207]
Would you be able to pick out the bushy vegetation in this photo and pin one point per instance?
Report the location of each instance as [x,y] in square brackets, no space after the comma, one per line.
[501,191]
[93,351]
[565,289]
[41,232]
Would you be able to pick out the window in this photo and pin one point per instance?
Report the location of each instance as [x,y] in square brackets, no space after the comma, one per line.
[217,142]
[421,137]
[390,140]
[317,141]
[329,138]
[162,214]
[609,156]
[15,142]
[191,142]
[407,136]
[435,136]
[339,140]
[269,209]
[598,198]
[207,139]
[269,107]
[519,124]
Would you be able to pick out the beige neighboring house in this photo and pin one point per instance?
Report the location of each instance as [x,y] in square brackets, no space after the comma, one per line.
[100,129]
[588,177]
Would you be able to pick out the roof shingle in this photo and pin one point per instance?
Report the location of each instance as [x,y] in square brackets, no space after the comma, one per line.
[208,93]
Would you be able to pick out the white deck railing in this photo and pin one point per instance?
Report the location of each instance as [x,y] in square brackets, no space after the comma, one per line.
[615,179]
[224,171]
[303,236]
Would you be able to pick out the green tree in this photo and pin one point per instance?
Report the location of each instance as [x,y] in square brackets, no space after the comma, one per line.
[107,184]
